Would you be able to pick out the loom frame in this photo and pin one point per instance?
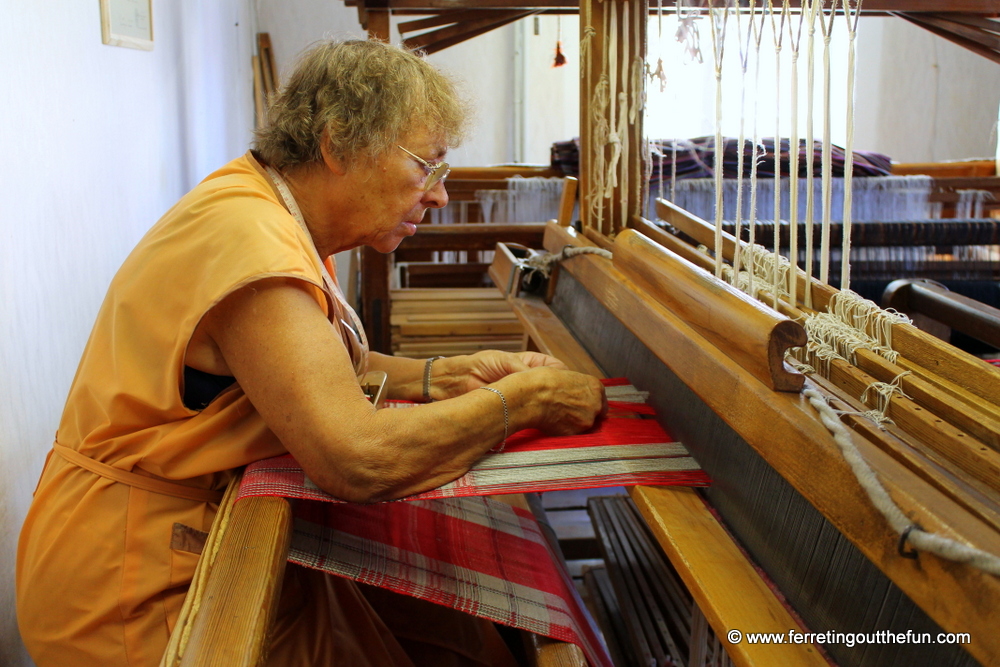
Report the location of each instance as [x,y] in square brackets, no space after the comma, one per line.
[374,16]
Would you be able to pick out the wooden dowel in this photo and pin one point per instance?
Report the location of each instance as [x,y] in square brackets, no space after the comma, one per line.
[920,349]
[749,332]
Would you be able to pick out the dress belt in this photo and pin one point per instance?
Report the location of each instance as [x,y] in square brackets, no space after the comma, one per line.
[153,484]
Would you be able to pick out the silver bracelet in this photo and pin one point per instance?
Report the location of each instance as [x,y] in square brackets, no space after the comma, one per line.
[506,418]
[427,378]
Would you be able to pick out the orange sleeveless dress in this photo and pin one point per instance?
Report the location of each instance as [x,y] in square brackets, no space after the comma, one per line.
[103,566]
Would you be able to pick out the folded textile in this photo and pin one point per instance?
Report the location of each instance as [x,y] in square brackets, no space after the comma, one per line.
[695,158]
[477,555]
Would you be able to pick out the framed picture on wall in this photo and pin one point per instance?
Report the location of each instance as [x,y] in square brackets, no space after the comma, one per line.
[127,23]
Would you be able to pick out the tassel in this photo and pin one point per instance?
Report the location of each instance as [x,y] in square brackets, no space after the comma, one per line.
[560,58]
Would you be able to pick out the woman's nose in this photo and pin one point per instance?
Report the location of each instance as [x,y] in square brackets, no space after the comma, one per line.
[437,196]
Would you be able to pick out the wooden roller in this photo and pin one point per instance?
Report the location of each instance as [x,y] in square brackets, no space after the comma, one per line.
[749,332]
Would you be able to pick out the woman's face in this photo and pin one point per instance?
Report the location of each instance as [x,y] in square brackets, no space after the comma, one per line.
[388,197]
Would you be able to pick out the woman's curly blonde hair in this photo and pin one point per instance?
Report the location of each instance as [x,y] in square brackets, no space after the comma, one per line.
[361,97]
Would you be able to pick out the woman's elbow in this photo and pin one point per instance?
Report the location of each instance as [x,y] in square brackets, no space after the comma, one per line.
[358,480]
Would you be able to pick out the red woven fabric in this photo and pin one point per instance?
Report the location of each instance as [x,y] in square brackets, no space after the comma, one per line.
[476,555]
[620,451]
[455,547]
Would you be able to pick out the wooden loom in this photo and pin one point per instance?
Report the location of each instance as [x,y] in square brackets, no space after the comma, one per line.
[723,404]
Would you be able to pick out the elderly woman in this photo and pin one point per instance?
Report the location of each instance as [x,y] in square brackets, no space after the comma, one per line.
[224,339]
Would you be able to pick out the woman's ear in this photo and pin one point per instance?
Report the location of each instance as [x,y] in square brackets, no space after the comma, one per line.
[332,163]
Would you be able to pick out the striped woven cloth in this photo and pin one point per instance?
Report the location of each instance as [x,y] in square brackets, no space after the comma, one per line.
[455,547]
[620,451]
[477,555]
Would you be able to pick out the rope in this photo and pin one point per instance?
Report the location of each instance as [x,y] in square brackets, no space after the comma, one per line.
[543,263]
[908,530]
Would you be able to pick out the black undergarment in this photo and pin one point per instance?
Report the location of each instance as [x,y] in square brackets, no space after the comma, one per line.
[201,388]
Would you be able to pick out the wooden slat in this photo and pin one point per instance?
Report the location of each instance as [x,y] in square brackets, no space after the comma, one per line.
[502,172]
[973,40]
[453,306]
[442,38]
[957,169]
[239,602]
[550,336]
[475,236]
[446,294]
[729,591]
[568,201]
[444,18]
[485,328]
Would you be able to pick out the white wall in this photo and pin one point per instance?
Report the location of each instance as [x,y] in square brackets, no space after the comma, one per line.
[922,98]
[98,142]
[480,66]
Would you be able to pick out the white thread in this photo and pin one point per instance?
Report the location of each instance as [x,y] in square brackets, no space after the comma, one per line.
[810,216]
[884,392]
[778,33]
[852,32]
[826,26]
[718,19]
[793,170]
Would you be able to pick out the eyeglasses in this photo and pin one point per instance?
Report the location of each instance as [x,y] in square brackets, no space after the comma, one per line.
[435,172]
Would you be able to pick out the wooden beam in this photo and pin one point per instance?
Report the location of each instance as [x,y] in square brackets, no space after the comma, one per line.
[434,41]
[983,43]
[982,7]
[724,584]
[444,18]
[473,236]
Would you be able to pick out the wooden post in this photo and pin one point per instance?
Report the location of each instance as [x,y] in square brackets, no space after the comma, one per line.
[375,306]
[374,17]
[613,178]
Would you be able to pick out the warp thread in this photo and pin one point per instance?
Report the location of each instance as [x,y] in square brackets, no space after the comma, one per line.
[884,391]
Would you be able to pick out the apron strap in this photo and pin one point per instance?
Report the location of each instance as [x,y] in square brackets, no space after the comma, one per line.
[153,484]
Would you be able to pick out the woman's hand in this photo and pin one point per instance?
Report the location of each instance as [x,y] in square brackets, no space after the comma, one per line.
[559,402]
[488,366]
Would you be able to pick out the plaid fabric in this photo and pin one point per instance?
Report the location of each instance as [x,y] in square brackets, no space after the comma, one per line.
[455,547]
[477,555]
[620,451]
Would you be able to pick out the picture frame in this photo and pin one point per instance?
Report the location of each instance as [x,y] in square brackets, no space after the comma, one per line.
[127,23]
